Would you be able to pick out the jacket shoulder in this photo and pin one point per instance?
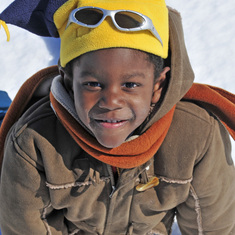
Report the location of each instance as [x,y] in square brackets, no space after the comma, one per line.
[187,140]
[190,109]
[35,115]
[42,141]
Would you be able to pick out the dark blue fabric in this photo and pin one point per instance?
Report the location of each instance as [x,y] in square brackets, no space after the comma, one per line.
[5,102]
[35,16]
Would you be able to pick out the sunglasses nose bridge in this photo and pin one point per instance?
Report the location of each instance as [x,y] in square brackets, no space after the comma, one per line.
[108,13]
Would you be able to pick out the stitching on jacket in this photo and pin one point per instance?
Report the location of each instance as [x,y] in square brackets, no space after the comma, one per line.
[74,184]
[198,210]
[175,181]
[193,113]
[43,217]
[154,232]
[74,232]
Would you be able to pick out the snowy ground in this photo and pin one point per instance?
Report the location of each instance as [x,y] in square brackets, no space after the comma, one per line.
[209,34]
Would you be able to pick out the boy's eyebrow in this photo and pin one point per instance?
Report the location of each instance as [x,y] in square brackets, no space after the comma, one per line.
[87,73]
[135,74]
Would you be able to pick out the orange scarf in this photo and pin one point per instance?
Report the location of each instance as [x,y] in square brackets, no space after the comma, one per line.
[130,154]
[138,151]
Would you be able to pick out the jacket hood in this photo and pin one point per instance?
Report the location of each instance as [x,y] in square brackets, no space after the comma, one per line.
[181,75]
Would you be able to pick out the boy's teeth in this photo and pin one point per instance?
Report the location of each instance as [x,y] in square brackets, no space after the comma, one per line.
[111,121]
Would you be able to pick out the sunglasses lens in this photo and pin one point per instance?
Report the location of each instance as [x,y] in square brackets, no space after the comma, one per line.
[128,20]
[89,16]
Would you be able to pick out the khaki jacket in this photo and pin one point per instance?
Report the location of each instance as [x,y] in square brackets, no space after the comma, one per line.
[49,185]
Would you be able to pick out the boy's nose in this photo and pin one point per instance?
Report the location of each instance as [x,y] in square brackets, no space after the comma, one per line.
[111,99]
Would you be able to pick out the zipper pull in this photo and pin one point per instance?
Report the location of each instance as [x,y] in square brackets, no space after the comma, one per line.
[113,190]
[154,181]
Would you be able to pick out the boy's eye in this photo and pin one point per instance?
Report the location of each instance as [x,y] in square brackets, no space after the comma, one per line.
[131,85]
[92,85]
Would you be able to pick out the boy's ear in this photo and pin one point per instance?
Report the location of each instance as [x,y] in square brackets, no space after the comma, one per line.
[62,70]
[159,84]
[67,78]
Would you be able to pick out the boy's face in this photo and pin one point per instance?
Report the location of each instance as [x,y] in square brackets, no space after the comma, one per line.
[113,90]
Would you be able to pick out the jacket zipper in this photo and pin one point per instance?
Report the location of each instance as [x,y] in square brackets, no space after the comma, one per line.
[110,171]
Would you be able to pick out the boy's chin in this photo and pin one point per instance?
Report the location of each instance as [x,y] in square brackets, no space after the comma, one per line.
[111,143]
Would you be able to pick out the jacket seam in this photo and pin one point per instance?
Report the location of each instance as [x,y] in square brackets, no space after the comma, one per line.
[197,210]
[43,217]
[211,125]
[207,144]
[175,181]
[74,232]
[44,211]
[155,232]
[18,149]
[129,219]
[192,113]
[74,184]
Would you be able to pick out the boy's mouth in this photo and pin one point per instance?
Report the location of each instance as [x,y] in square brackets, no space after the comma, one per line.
[111,123]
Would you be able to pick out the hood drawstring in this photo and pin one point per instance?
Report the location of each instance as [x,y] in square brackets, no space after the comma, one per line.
[94,174]
[4,25]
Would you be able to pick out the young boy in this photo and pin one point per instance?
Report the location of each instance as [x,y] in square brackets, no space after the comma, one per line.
[116,146]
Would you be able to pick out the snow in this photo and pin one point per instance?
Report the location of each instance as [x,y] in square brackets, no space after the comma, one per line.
[209,35]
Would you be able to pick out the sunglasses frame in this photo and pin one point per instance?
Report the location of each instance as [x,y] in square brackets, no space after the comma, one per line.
[147,23]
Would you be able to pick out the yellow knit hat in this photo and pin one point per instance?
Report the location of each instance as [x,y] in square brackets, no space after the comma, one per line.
[77,40]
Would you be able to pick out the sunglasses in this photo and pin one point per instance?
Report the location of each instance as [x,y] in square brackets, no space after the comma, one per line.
[124,20]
